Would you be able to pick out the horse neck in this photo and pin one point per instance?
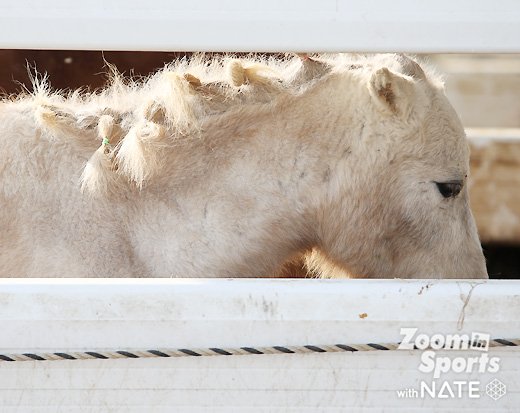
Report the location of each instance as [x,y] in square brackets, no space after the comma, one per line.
[250,187]
[247,187]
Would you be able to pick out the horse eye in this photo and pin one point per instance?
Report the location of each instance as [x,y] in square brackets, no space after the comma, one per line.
[449,189]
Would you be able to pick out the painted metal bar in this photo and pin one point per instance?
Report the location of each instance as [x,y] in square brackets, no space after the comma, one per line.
[75,314]
[71,314]
[268,26]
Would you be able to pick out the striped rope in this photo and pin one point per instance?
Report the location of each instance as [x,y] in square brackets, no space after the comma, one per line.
[217,351]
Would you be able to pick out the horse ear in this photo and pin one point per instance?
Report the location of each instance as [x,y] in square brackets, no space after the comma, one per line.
[392,93]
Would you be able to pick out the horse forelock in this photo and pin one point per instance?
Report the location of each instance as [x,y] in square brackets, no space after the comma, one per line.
[147,115]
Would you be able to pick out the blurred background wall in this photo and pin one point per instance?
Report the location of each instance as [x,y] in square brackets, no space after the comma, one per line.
[485,90]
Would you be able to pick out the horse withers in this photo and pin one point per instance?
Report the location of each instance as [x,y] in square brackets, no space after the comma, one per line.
[231,167]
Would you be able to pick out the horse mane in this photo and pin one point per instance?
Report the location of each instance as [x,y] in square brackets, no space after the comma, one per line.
[135,120]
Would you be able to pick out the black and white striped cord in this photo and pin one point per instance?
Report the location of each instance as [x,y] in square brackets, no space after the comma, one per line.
[214,351]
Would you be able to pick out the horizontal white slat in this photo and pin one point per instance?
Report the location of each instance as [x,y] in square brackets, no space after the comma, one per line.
[269,25]
[51,314]
[127,313]
[484,136]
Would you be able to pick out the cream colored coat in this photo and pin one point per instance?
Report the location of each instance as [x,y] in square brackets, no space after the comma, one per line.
[231,168]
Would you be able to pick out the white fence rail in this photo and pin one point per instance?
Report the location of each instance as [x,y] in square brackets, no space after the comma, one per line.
[268,25]
[39,316]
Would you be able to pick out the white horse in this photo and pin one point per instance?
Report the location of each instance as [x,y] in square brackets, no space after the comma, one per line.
[230,168]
